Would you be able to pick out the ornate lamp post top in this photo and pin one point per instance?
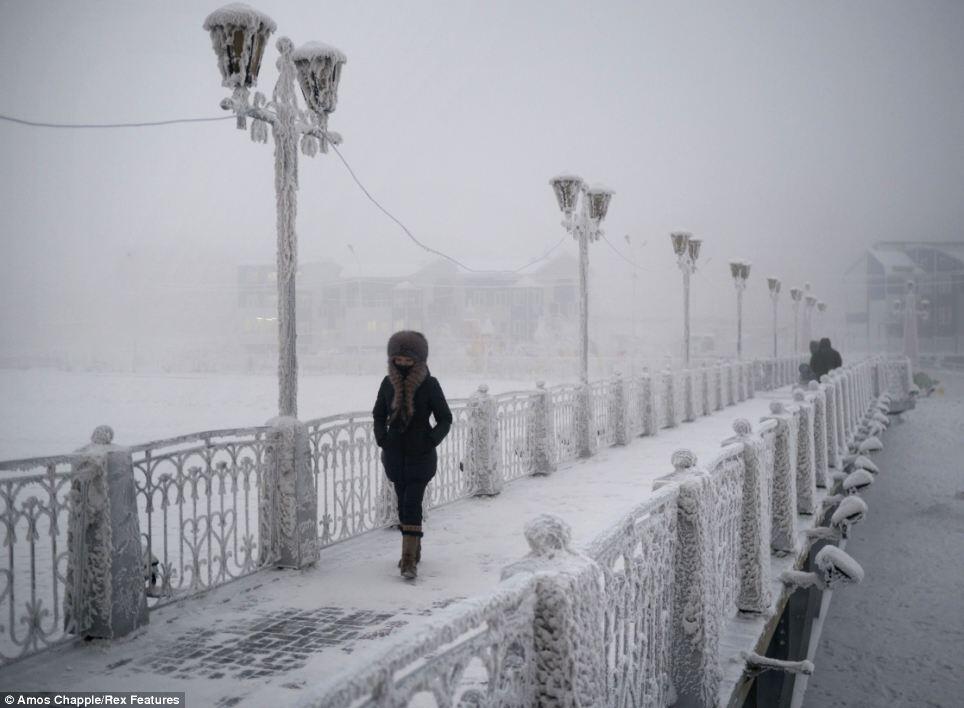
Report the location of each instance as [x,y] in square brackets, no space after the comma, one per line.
[239,34]
[821,306]
[740,270]
[796,294]
[594,205]
[686,248]
[774,286]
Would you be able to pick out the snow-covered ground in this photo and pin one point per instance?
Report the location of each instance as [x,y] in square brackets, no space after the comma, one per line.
[897,639]
[51,412]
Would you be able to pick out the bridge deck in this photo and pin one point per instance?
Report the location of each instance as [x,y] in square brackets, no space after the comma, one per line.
[265,637]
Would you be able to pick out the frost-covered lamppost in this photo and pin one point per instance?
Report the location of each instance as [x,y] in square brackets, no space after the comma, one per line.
[796,295]
[821,321]
[740,270]
[910,309]
[239,35]
[809,302]
[584,226]
[687,250]
[774,285]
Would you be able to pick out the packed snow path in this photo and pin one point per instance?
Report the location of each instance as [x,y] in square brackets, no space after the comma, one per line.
[258,640]
[898,639]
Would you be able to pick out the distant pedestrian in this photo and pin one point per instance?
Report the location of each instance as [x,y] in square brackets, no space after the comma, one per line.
[406,398]
[825,360]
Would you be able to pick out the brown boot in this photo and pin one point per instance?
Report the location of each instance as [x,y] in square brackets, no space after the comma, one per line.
[418,550]
[409,544]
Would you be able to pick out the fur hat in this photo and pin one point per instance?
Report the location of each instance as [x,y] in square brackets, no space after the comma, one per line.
[408,343]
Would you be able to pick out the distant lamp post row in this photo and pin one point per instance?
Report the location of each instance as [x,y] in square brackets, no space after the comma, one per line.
[740,270]
[773,284]
[584,209]
[687,250]
[239,35]
[809,302]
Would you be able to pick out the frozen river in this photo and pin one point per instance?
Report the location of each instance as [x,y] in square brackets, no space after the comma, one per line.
[50,412]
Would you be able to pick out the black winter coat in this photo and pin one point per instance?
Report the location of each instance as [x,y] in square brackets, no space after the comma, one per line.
[419,438]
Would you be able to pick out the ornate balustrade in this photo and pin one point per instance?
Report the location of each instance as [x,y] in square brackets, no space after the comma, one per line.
[200,503]
[37,498]
[661,582]
[214,506]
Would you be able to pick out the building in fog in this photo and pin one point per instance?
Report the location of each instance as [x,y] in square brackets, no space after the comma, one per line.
[880,278]
[354,310]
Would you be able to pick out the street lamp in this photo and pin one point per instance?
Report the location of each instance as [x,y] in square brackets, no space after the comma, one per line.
[740,270]
[239,34]
[809,301]
[796,295]
[582,219]
[911,310]
[774,285]
[687,250]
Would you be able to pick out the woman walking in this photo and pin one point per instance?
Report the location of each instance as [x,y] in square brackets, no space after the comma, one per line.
[406,397]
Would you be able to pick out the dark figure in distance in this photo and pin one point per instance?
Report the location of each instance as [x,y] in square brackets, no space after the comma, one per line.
[825,360]
[406,398]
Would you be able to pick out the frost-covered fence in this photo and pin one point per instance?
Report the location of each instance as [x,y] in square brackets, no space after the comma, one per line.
[660,584]
[35,507]
[479,652]
[199,500]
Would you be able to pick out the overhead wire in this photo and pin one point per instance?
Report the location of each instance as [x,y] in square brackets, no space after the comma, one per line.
[341,157]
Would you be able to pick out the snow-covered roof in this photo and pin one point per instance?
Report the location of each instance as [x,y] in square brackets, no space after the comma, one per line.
[237,13]
[318,50]
[893,260]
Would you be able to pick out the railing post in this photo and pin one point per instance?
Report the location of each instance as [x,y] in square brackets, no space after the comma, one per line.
[288,525]
[688,396]
[617,410]
[755,522]
[541,439]
[784,499]
[697,606]
[820,458]
[704,390]
[584,422]
[482,446]
[648,404]
[105,595]
[806,477]
[570,664]
[718,384]
[669,404]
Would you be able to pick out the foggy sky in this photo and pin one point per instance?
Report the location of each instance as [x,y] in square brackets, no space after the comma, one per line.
[791,134]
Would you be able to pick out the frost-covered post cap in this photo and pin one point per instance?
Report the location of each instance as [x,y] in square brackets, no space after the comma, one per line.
[683,460]
[547,534]
[798,395]
[776,407]
[102,435]
[813,386]
[742,427]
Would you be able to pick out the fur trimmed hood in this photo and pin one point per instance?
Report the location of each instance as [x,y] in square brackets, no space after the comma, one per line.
[408,342]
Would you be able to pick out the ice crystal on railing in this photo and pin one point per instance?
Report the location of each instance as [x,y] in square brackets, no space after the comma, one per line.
[806,474]
[569,618]
[754,595]
[784,504]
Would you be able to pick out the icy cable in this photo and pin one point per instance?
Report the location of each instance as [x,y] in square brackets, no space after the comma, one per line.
[341,157]
[39,124]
